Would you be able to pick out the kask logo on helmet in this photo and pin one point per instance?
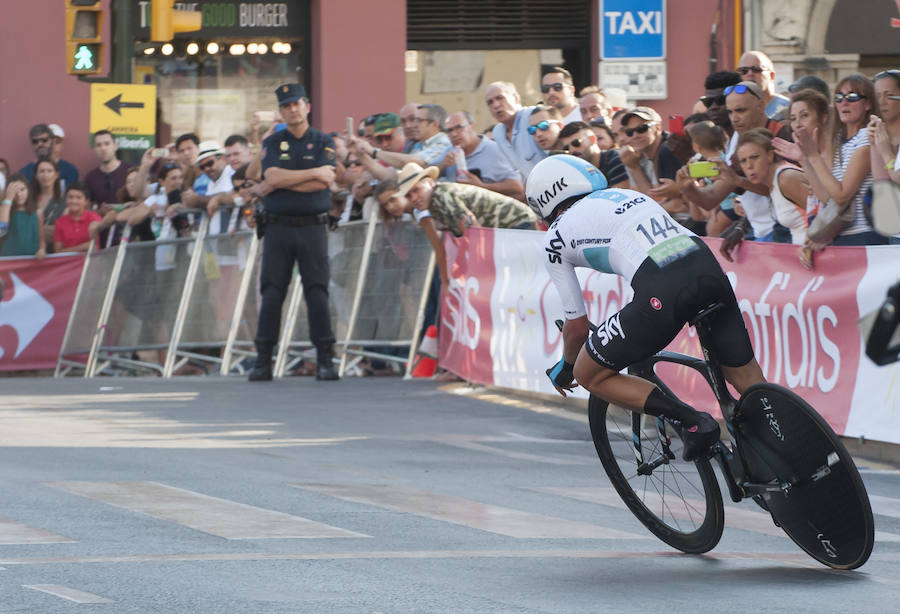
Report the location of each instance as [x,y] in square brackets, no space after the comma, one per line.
[543,199]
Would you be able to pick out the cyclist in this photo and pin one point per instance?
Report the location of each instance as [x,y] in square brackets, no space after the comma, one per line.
[674,277]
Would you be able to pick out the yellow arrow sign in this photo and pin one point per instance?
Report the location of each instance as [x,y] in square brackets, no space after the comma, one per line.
[124,110]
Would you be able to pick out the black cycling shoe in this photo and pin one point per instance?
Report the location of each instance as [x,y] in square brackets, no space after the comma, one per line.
[698,435]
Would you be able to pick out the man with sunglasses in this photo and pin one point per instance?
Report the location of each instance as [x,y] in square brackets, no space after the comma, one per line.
[558,91]
[746,109]
[756,66]
[644,136]
[544,125]
[42,140]
[714,98]
[486,165]
[389,135]
[429,150]
[579,140]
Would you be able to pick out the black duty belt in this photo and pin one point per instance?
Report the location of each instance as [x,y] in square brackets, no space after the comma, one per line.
[297,220]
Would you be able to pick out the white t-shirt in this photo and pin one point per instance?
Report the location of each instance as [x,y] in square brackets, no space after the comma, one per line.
[612,231]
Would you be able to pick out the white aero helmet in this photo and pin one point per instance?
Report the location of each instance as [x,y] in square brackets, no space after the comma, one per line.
[558,178]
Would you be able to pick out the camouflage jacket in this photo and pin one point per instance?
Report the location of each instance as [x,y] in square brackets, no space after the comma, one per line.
[452,203]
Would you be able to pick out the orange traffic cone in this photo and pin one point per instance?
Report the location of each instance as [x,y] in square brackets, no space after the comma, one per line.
[426,356]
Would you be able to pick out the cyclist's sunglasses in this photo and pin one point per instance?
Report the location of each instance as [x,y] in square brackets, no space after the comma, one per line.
[544,125]
[740,89]
[709,101]
[557,87]
[630,132]
[851,97]
[575,143]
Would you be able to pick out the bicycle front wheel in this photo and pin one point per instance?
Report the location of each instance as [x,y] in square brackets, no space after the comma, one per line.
[679,501]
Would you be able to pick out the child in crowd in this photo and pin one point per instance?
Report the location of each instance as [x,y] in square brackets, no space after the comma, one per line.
[709,144]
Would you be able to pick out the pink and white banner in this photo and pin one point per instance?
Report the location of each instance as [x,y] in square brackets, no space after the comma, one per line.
[37,299]
[497,324]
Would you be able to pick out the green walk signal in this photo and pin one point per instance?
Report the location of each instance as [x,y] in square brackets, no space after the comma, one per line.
[84,58]
[84,36]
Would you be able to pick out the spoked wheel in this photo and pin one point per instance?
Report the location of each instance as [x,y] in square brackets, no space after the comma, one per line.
[679,501]
[822,505]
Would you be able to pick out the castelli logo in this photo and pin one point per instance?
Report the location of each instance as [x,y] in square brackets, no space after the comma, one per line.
[656,303]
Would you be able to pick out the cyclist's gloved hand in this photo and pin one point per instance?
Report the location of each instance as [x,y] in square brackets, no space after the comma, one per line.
[561,376]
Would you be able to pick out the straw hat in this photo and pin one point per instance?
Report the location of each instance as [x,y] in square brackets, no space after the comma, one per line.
[411,174]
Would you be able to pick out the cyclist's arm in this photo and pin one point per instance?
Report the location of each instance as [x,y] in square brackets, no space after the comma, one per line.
[575,329]
[575,333]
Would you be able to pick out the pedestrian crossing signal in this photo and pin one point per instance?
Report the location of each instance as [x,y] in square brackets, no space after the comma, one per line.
[84,37]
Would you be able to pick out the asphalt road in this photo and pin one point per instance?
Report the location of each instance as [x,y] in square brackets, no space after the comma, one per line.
[367,495]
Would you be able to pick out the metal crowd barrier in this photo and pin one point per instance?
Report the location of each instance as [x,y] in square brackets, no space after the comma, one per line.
[154,307]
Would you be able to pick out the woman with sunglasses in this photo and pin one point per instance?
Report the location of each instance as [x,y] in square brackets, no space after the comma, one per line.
[848,176]
[884,131]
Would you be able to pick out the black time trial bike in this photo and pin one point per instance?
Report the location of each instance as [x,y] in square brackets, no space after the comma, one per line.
[778,451]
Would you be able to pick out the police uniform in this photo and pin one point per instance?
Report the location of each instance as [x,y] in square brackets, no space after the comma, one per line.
[295,231]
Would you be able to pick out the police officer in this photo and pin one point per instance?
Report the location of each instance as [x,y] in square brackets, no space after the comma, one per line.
[298,165]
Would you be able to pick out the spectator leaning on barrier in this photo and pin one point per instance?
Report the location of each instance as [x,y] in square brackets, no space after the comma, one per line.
[544,124]
[46,187]
[756,66]
[884,138]
[78,227]
[109,176]
[23,222]
[456,207]
[579,140]
[511,132]
[298,164]
[839,168]
[43,139]
[558,91]
[219,193]
[237,151]
[188,146]
[485,165]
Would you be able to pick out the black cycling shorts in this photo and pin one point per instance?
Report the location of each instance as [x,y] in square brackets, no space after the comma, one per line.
[665,299]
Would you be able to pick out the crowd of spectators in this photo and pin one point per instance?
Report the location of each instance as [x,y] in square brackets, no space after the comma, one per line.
[746,162]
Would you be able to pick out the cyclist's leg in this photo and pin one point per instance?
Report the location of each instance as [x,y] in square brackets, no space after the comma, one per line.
[635,333]
[744,376]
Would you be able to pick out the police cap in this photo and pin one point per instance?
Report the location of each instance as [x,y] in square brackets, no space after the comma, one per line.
[290,92]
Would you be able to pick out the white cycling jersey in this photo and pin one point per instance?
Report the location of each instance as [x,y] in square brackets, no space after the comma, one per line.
[613,231]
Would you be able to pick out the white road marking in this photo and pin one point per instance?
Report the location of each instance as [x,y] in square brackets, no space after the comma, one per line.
[491,518]
[12,532]
[735,517]
[68,593]
[211,515]
[885,506]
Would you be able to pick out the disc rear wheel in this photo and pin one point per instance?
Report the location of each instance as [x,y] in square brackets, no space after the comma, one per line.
[822,505]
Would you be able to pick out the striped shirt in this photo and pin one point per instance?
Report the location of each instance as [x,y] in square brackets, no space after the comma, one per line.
[839,168]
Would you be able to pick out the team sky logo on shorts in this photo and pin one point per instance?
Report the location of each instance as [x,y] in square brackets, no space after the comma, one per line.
[609,330]
[655,303]
[556,244]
